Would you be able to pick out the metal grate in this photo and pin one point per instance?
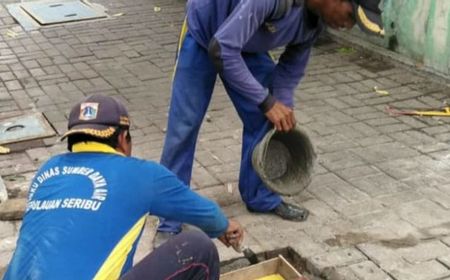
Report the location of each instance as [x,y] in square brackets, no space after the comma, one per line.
[52,12]
[25,127]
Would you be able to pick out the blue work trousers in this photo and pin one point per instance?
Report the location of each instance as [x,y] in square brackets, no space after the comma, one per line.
[192,89]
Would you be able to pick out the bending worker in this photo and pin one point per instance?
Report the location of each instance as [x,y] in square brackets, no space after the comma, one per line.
[87,208]
[232,38]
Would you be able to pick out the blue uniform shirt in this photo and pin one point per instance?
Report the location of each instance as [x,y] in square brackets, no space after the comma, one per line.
[86,211]
[237,26]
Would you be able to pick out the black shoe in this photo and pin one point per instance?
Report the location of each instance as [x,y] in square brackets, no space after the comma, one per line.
[291,212]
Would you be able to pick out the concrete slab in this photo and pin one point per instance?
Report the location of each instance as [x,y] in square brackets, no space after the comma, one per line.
[25,127]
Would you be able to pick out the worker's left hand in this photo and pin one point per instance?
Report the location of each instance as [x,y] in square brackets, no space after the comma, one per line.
[234,234]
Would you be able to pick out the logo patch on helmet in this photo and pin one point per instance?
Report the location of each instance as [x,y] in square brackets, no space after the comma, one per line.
[88,111]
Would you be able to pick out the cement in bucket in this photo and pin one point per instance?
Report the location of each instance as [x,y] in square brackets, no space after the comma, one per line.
[284,161]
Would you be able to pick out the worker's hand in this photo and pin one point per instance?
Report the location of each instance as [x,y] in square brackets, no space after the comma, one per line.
[281,116]
[234,234]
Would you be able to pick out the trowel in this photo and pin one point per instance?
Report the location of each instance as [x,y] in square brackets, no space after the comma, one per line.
[248,253]
[240,248]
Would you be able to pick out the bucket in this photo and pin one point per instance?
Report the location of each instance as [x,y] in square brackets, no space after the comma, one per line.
[284,160]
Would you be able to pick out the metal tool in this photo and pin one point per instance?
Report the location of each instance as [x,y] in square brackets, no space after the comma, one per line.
[238,247]
[248,253]
[444,112]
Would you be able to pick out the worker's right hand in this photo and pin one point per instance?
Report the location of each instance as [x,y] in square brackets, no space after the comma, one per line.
[234,234]
[281,116]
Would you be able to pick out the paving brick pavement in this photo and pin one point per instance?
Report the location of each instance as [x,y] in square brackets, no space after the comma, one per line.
[380,196]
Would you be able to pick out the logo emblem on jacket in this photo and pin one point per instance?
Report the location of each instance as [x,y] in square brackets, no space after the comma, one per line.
[88,111]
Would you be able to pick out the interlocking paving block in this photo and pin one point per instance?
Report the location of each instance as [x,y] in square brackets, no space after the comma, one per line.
[410,250]
[342,273]
[424,251]
[3,191]
[325,263]
[8,243]
[369,271]
[5,257]
[446,240]
[379,185]
[17,185]
[424,214]
[24,127]
[38,154]
[7,246]
[13,209]
[341,160]
[405,168]
[7,229]
[383,152]
[224,195]
[445,260]
[385,225]
[403,270]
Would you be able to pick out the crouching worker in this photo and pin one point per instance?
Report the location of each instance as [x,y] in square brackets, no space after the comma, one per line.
[87,208]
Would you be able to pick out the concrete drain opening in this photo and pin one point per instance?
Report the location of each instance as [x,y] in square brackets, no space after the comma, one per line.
[241,269]
[24,128]
[34,14]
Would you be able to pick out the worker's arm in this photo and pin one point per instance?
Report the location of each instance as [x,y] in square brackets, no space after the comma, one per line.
[170,198]
[227,43]
[288,73]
